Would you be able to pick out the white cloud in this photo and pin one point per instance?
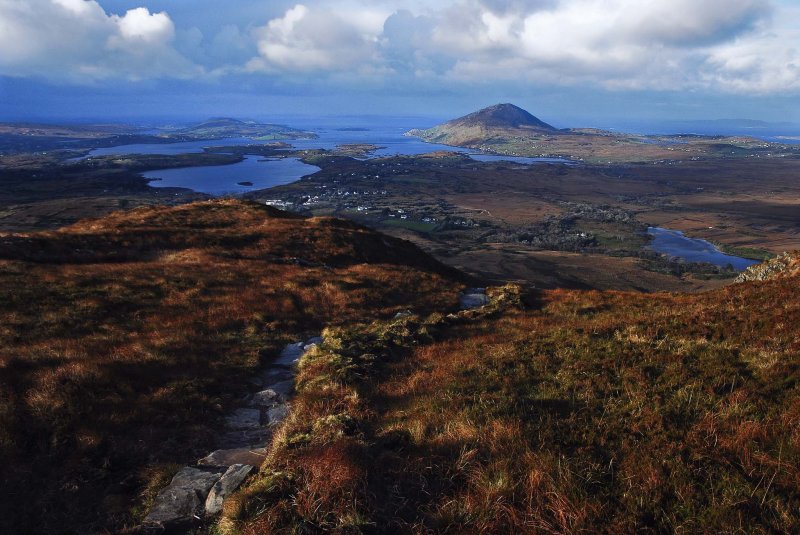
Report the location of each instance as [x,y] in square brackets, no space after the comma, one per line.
[140,24]
[743,46]
[319,39]
[616,44]
[76,40]
[765,61]
[613,43]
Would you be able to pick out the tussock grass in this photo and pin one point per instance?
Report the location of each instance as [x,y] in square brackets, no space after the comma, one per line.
[590,412]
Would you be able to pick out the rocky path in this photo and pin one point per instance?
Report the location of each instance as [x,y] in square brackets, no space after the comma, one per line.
[197,492]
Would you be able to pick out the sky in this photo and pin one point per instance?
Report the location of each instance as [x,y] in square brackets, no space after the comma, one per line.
[570,62]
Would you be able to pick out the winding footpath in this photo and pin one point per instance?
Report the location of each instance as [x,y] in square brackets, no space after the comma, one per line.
[198,492]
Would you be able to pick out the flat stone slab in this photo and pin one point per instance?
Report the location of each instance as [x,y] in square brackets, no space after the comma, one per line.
[226,458]
[283,388]
[255,437]
[473,298]
[183,500]
[275,375]
[290,354]
[266,398]
[243,419]
[225,486]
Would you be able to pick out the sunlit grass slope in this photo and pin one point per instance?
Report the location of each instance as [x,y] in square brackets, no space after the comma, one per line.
[123,340]
[588,413]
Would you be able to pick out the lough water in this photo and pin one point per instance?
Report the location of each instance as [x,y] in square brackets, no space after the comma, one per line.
[171,149]
[390,138]
[224,179]
[674,243]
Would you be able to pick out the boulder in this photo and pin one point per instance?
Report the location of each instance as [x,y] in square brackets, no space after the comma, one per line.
[182,501]
[225,486]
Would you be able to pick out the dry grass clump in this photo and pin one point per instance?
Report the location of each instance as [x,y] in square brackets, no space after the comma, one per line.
[123,340]
[593,412]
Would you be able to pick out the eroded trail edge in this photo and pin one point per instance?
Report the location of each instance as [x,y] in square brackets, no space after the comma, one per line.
[198,491]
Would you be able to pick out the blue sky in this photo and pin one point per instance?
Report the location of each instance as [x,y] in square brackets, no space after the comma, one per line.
[571,62]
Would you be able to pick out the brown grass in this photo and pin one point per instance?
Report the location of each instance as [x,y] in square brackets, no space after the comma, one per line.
[593,412]
[123,340]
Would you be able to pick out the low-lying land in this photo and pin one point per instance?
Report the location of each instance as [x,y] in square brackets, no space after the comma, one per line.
[71,138]
[555,225]
[505,221]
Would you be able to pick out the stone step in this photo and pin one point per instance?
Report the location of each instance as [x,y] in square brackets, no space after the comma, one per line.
[243,418]
[229,457]
[245,438]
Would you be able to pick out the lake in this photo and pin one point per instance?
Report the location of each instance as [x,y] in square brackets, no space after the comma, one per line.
[389,136]
[223,179]
[674,243]
[171,149]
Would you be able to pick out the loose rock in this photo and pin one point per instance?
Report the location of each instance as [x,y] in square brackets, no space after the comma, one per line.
[311,343]
[183,501]
[190,495]
[227,484]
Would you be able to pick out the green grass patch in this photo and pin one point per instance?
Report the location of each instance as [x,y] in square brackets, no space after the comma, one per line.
[410,224]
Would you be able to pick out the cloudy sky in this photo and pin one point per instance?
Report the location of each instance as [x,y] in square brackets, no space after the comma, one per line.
[565,60]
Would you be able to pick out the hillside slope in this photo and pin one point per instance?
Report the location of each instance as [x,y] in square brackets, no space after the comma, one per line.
[124,339]
[500,120]
[590,412]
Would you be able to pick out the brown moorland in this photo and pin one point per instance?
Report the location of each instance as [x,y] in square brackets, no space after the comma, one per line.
[601,412]
[124,339]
